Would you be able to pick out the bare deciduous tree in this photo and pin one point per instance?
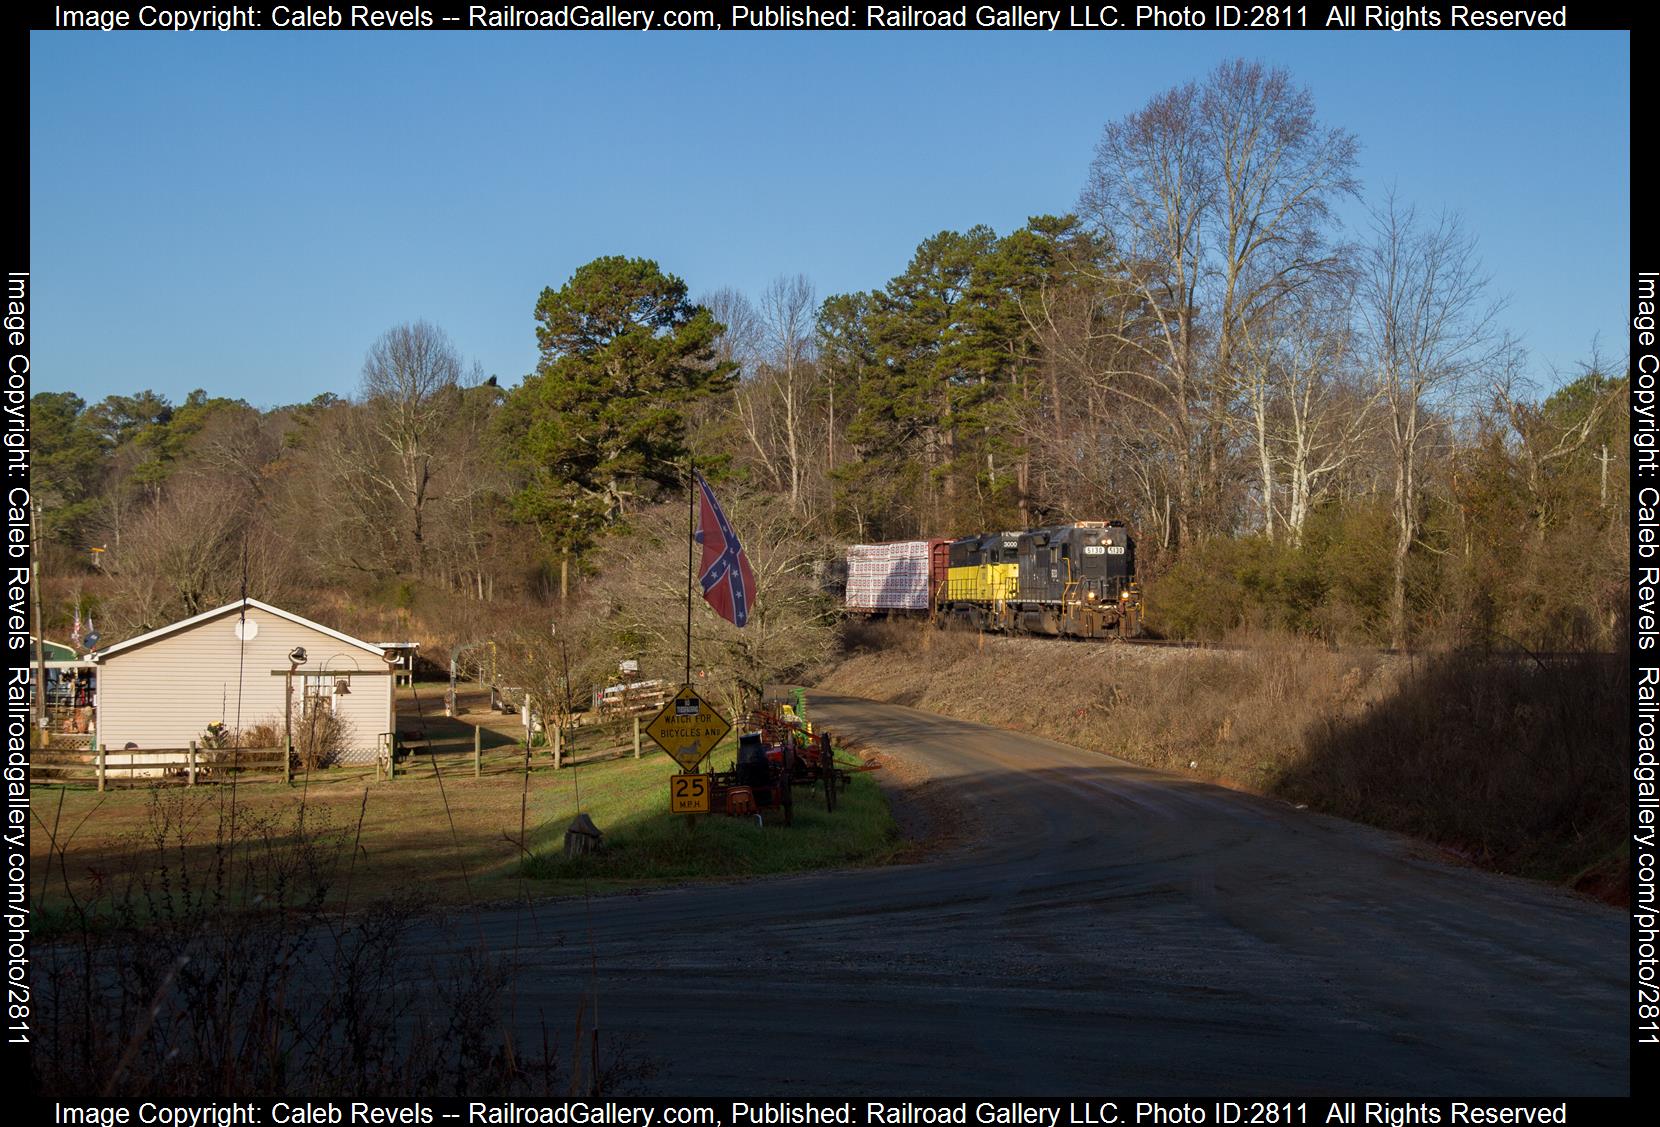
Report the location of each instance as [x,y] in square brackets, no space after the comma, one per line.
[1216,198]
[788,306]
[186,553]
[1430,327]
[1307,413]
[352,519]
[743,343]
[791,623]
[409,378]
[557,665]
[740,344]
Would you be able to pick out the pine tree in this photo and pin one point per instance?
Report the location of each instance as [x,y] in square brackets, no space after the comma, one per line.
[602,420]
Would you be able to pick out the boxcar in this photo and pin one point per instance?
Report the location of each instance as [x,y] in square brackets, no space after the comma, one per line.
[903,577]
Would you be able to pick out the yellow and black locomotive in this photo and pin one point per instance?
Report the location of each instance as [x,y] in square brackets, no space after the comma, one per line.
[1074,580]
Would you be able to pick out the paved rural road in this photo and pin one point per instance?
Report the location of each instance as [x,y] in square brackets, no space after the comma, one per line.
[1109,929]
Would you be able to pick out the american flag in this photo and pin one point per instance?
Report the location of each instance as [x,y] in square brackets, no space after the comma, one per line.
[728,583]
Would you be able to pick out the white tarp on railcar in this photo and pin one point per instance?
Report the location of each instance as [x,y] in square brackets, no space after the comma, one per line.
[888,576]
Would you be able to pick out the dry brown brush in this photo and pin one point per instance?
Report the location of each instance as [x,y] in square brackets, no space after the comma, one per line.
[320,737]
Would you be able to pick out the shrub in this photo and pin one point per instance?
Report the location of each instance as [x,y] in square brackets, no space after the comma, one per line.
[1220,585]
[320,737]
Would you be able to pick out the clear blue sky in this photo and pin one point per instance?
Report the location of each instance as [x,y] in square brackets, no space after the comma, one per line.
[248,213]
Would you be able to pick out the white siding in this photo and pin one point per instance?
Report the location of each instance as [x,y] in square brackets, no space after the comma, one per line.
[164,693]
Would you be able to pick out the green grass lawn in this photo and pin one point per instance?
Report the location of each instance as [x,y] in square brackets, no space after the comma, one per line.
[643,843]
[438,832]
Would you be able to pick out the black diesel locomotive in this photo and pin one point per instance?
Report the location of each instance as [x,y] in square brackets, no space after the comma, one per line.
[1071,580]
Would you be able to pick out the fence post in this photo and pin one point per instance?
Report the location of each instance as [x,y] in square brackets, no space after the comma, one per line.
[558,746]
[103,753]
[391,756]
[478,751]
[190,766]
[636,735]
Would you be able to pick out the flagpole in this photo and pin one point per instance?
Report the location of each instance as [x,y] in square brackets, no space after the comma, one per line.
[691,535]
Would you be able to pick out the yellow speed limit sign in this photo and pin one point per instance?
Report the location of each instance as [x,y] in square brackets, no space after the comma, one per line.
[688,794]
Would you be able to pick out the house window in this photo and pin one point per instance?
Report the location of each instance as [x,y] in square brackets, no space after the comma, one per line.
[318,692]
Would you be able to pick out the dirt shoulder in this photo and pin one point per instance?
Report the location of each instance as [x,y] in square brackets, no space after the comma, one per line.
[933,821]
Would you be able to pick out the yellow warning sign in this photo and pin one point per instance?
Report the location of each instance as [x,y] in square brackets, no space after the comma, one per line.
[687,728]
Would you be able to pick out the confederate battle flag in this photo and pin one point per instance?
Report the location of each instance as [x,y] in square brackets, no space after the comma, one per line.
[728,583]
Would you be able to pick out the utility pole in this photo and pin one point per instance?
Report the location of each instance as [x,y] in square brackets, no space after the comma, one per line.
[39,556]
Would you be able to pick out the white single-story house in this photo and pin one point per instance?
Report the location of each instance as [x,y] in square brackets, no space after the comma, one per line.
[230,666]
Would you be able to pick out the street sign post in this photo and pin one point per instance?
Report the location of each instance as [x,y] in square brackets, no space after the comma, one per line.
[688,729]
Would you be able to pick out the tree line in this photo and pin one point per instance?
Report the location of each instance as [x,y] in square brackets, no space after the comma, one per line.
[1308,425]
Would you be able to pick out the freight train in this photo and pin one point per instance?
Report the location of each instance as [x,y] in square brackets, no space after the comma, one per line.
[1071,580]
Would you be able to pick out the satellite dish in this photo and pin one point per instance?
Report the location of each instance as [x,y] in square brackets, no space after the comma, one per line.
[91,640]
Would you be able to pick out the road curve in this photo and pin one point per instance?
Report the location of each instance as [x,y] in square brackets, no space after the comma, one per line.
[1107,930]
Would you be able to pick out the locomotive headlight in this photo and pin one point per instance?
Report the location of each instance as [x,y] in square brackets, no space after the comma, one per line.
[1092,596]
[1124,595]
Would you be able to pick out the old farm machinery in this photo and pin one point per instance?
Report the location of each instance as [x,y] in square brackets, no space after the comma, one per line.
[780,756]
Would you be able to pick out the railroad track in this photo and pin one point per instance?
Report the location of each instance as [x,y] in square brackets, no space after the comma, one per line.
[1168,643]
[1541,657]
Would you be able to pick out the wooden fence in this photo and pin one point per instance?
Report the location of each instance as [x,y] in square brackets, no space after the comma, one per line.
[191,765]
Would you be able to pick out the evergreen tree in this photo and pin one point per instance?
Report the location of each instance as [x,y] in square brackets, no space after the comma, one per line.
[68,464]
[602,420]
